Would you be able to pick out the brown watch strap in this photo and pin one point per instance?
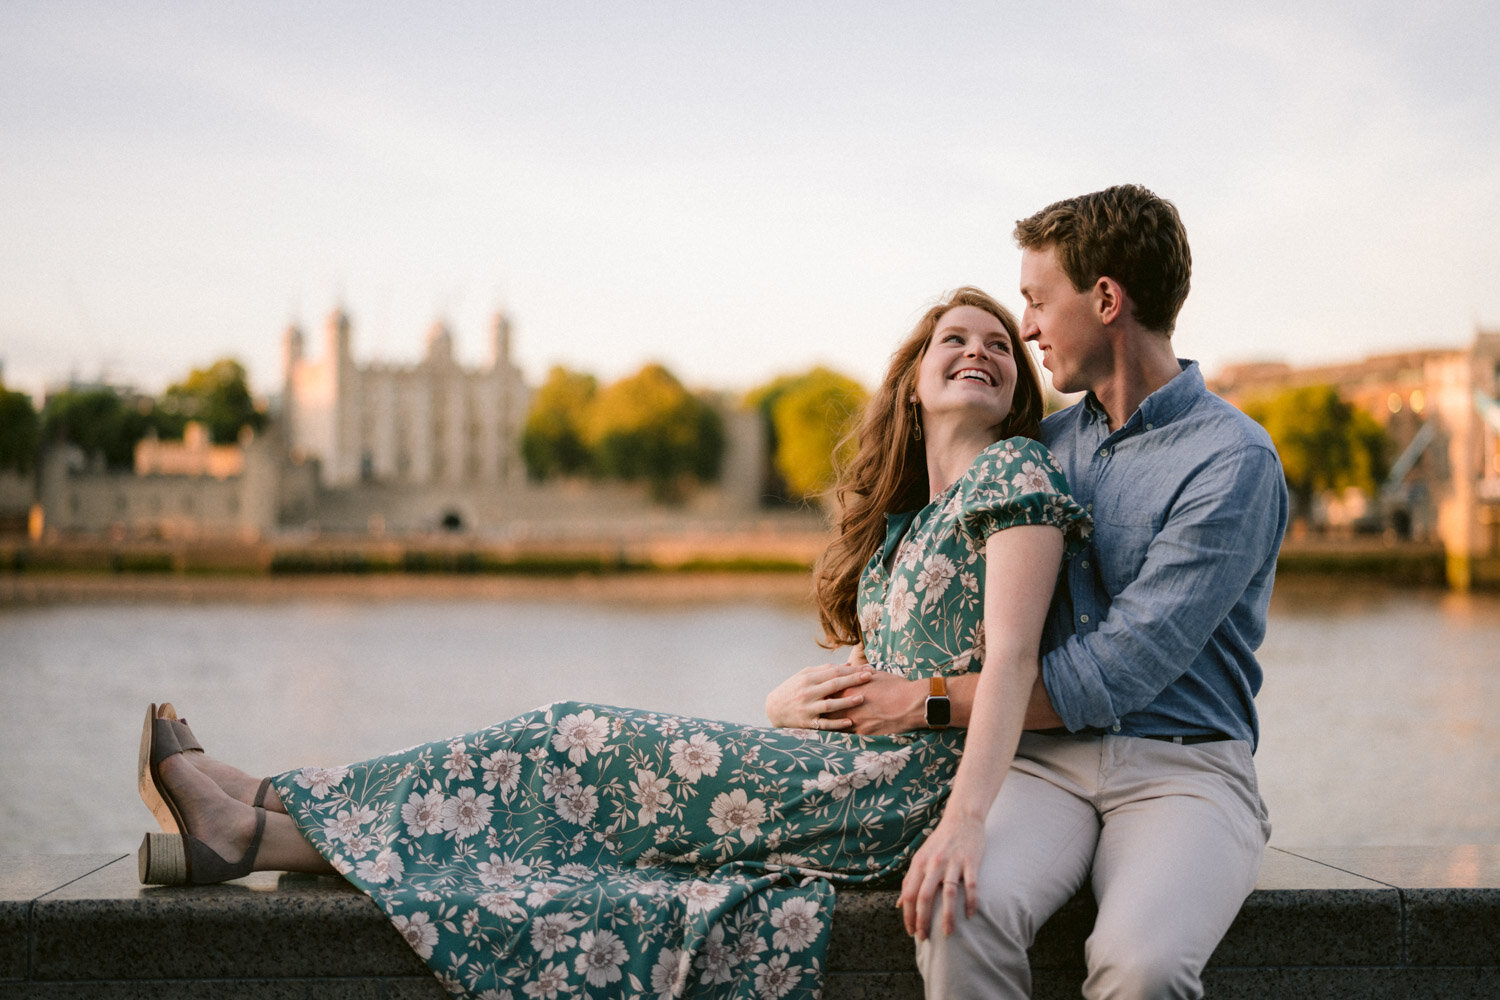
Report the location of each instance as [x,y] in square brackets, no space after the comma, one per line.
[937,686]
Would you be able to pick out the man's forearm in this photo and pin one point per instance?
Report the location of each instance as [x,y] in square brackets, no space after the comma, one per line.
[1039,711]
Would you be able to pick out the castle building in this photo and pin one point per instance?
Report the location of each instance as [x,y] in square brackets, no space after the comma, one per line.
[435,423]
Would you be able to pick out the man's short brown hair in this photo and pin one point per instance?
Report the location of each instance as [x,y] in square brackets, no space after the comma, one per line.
[1125,233]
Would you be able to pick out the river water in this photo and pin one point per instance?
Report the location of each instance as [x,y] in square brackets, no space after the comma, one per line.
[1379,712]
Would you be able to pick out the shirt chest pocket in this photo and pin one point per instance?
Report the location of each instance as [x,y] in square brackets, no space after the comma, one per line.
[1121,538]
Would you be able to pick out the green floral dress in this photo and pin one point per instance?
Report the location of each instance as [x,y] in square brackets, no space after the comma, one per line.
[586,851]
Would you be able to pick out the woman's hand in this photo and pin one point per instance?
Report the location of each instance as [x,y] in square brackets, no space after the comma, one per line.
[946,865]
[803,700]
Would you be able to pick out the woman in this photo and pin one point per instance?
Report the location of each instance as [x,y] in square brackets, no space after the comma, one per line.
[621,852]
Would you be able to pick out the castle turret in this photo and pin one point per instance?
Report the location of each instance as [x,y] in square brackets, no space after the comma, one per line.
[293,345]
[440,344]
[500,343]
[336,337]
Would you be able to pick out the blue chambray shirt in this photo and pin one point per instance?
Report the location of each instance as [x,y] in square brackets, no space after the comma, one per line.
[1155,624]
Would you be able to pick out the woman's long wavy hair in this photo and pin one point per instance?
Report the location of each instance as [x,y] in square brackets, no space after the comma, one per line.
[888,472]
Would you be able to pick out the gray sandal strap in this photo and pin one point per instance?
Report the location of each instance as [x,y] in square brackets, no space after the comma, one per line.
[206,867]
[184,736]
[163,741]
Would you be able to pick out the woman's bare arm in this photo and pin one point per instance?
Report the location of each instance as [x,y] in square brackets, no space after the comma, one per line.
[1021,566]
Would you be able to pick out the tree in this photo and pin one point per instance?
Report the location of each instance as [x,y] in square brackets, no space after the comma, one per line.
[647,426]
[1325,443]
[217,396]
[807,416]
[553,440]
[102,423]
[19,429]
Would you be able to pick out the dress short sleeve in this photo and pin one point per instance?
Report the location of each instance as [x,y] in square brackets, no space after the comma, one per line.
[1014,482]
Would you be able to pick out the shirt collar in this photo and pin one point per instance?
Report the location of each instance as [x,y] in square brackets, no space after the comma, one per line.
[1163,405]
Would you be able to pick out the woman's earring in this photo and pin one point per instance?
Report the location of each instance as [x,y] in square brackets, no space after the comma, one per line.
[916,422]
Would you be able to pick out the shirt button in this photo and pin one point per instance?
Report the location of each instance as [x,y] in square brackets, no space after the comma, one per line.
[1150,426]
[1090,508]
[1103,452]
[1084,619]
[1115,728]
[1084,563]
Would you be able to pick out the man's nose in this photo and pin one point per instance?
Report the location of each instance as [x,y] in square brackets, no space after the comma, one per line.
[1029,331]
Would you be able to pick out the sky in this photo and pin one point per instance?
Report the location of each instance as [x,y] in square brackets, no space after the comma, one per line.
[736,190]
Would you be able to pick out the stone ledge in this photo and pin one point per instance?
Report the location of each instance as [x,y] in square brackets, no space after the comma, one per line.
[1365,922]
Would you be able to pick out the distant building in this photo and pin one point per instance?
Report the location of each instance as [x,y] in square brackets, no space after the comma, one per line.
[1441,409]
[178,490]
[194,455]
[428,424]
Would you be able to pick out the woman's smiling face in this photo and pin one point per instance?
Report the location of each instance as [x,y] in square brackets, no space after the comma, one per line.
[969,368]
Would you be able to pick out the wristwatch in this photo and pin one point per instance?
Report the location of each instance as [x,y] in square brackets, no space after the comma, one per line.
[938,710]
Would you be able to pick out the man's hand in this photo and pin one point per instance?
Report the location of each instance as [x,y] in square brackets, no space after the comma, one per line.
[808,698]
[890,704]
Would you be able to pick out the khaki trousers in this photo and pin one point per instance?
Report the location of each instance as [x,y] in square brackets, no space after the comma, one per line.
[1171,837]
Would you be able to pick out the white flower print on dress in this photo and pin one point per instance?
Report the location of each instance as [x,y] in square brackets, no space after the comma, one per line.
[603,954]
[908,555]
[423,814]
[502,904]
[900,603]
[418,931]
[1031,479]
[466,813]
[348,823]
[881,766]
[734,812]
[541,892]
[550,933]
[669,974]
[838,785]
[650,793]
[580,735]
[700,895]
[459,763]
[937,572]
[559,781]
[319,780]
[360,843]
[973,651]
[577,804]
[797,924]
[502,871]
[869,621]
[774,979]
[387,866]
[716,960]
[502,770]
[749,947]
[695,757]
[547,983]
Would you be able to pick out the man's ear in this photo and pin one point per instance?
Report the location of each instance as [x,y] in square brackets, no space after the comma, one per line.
[1109,299]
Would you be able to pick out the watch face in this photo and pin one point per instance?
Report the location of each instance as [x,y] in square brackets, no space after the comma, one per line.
[938,712]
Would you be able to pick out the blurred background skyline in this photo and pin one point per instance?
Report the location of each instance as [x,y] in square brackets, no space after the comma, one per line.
[736,190]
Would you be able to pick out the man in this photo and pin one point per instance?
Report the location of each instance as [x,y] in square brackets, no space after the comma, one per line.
[1138,777]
